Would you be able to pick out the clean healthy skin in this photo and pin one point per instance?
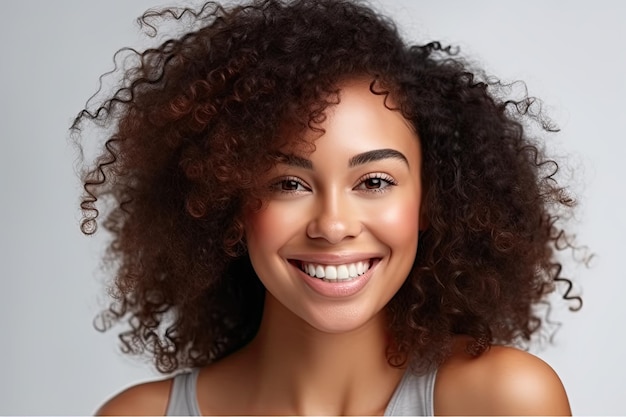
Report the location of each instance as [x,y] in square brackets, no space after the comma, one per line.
[352,206]
[356,198]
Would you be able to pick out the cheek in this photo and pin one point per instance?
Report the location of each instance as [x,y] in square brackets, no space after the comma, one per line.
[271,227]
[258,226]
[399,222]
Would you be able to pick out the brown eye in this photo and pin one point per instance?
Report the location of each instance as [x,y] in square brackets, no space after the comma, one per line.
[373,183]
[290,185]
[376,182]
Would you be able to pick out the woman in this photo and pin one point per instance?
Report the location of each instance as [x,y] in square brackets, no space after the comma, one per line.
[317,218]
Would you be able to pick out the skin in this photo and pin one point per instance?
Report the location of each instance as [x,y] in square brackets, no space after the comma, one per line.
[325,355]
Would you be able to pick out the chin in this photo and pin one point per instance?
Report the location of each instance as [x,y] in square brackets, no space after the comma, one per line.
[340,319]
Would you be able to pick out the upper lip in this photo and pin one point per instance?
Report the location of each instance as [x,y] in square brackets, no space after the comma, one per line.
[334,258]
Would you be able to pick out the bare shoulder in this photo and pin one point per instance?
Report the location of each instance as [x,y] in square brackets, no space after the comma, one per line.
[149,398]
[502,381]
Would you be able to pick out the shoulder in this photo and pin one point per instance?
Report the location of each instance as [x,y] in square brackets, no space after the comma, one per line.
[149,398]
[501,381]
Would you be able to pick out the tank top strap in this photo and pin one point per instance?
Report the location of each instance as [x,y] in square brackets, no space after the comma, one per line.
[182,401]
[413,396]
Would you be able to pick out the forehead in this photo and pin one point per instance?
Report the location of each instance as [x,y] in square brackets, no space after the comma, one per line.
[360,119]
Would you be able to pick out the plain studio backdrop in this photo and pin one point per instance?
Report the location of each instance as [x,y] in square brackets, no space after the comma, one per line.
[52,361]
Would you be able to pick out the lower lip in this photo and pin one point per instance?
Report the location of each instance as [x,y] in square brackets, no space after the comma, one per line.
[338,289]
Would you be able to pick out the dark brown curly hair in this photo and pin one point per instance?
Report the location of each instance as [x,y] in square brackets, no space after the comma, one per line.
[196,120]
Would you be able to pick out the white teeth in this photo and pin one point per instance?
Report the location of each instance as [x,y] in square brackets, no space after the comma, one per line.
[352,270]
[336,272]
[330,272]
[319,272]
[342,272]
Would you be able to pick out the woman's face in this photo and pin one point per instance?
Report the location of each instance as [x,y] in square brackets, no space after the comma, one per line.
[338,235]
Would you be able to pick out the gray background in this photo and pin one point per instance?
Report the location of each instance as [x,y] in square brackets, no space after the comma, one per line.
[570,53]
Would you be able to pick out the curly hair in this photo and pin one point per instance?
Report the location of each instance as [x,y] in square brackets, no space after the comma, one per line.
[196,120]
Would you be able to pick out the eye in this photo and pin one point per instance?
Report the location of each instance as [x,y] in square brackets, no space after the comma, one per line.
[377,182]
[289,185]
[374,183]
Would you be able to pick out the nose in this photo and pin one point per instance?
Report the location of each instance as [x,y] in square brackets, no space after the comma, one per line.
[334,220]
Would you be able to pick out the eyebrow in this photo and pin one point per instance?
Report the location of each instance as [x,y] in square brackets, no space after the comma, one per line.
[294,161]
[356,160]
[376,155]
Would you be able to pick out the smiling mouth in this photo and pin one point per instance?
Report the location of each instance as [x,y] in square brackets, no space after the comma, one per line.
[335,273]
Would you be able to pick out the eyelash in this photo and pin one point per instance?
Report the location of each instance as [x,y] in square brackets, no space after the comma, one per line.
[377,176]
[279,183]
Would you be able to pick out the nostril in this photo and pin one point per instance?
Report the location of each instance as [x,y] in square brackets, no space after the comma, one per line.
[333,230]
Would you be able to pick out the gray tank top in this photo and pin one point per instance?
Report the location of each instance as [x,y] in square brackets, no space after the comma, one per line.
[412,397]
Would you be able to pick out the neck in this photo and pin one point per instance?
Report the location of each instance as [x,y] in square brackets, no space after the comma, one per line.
[307,371]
